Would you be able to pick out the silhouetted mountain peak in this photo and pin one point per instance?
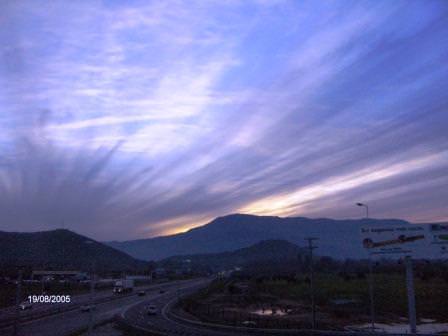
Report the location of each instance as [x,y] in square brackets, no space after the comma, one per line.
[338,238]
[63,249]
[263,252]
[273,244]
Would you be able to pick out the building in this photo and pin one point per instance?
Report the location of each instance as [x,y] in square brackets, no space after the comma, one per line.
[58,275]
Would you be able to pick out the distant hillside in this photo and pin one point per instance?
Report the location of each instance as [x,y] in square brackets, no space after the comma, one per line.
[338,238]
[62,249]
[267,251]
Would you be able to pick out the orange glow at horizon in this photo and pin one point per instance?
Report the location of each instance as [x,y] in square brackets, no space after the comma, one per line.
[297,202]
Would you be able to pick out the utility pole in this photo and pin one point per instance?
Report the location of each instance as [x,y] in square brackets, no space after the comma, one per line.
[311,247]
[18,298]
[92,300]
[92,288]
[411,295]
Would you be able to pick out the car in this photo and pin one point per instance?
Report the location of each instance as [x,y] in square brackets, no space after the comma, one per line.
[25,305]
[162,291]
[152,310]
[249,324]
[87,307]
[141,293]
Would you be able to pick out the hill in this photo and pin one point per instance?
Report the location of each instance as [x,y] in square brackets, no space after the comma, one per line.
[264,252]
[62,249]
[337,238]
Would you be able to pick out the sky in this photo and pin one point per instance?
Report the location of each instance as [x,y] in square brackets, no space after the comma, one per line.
[131,119]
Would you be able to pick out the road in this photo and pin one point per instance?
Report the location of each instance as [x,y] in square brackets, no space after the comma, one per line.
[8,313]
[66,322]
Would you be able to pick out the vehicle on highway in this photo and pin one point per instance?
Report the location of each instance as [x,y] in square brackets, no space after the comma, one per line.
[162,291]
[87,307]
[123,286]
[249,324]
[141,293]
[152,310]
[25,305]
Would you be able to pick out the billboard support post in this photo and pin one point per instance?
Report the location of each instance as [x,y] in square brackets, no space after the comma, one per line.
[371,294]
[411,294]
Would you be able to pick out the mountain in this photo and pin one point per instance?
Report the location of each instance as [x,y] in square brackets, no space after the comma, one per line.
[337,238]
[62,249]
[264,252]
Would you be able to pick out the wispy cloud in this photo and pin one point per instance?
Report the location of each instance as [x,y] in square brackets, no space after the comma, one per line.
[135,119]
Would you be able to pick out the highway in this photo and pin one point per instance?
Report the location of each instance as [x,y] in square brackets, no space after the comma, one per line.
[6,314]
[60,321]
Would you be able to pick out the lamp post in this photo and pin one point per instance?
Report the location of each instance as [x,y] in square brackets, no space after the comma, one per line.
[365,206]
[371,291]
[311,247]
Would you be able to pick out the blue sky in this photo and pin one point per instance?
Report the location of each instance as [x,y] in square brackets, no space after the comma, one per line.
[129,119]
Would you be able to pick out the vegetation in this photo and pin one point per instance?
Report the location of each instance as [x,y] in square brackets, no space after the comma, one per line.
[342,298]
[389,290]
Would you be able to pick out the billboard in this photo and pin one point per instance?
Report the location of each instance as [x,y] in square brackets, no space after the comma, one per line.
[395,240]
[438,239]
[425,241]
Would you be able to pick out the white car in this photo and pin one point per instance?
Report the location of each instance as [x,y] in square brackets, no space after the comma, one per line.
[152,310]
[25,305]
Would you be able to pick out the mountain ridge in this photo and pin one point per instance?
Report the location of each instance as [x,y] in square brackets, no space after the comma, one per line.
[265,252]
[231,232]
[62,249]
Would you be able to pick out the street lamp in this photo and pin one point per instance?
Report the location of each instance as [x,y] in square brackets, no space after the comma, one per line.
[313,304]
[372,302]
[365,206]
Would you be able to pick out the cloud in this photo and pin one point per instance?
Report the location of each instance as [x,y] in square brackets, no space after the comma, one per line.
[136,119]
